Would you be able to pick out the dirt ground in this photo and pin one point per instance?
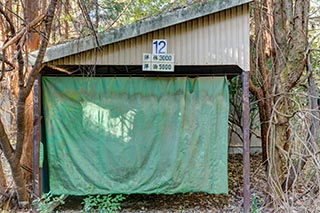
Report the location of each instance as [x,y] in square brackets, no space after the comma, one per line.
[304,198]
[194,202]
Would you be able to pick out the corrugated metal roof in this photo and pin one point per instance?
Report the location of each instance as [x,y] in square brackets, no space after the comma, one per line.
[141,27]
[217,39]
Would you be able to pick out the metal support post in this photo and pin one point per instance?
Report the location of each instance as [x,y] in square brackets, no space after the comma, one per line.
[246,141]
[36,184]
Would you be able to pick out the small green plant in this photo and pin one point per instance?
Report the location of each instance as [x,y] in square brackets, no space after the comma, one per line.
[47,202]
[102,203]
[254,204]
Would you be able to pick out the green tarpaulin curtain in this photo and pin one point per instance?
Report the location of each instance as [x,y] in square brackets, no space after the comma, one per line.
[136,135]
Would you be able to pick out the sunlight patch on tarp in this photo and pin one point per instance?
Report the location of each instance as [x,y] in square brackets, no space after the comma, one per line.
[99,120]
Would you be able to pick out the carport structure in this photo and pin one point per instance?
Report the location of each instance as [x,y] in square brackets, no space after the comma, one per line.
[116,120]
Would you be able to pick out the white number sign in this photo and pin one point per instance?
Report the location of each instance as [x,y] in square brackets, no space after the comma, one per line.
[159,46]
[159,60]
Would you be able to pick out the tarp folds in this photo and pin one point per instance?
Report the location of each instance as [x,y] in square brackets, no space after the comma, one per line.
[136,135]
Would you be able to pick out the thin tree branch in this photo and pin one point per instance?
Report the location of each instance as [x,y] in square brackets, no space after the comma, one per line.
[122,12]
[5,145]
[18,36]
[11,26]
[61,69]
[89,23]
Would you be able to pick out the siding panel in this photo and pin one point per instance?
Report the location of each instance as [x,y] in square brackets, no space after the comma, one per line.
[217,39]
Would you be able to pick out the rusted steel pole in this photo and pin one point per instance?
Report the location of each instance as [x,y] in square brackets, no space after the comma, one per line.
[36,139]
[246,141]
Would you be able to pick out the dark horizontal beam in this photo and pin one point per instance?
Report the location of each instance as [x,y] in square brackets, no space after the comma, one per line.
[101,71]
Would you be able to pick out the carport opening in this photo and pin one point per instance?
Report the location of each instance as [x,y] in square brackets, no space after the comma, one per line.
[170,129]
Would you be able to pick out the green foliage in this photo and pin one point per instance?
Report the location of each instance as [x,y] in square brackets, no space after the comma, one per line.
[102,203]
[47,202]
[254,204]
[144,8]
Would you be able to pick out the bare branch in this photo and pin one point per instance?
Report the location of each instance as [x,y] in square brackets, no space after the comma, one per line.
[87,18]
[12,29]
[6,61]
[18,36]
[122,12]
[5,143]
[61,69]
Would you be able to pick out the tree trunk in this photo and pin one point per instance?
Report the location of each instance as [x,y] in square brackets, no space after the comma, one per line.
[31,11]
[18,177]
[66,23]
[311,147]
[280,44]
[15,167]
[26,159]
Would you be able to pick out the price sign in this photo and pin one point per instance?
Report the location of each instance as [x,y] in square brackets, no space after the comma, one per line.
[163,67]
[159,60]
[169,58]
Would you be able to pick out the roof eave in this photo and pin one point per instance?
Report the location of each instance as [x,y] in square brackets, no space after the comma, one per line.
[138,28]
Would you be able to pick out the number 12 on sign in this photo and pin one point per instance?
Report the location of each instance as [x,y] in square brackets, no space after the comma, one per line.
[159,46]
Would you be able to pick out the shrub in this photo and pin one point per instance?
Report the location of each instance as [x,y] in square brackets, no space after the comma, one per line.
[102,203]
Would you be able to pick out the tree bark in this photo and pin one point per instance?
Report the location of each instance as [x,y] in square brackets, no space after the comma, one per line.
[279,60]
[3,180]
[66,23]
[311,147]
[26,158]
[14,166]
[31,12]
[25,91]
[261,78]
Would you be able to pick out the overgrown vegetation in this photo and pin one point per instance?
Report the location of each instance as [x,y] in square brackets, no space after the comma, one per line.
[47,202]
[284,84]
[102,203]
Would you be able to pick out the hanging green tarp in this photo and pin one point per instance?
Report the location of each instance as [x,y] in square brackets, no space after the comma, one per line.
[136,135]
